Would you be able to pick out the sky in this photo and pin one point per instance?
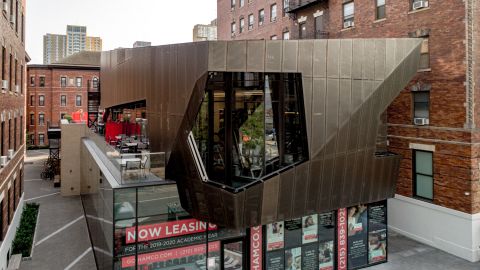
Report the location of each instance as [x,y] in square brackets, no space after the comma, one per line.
[118,22]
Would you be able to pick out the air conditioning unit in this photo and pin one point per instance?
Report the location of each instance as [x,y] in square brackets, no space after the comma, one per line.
[420,121]
[5,84]
[420,4]
[3,161]
[10,153]
[347,24]
[5,6]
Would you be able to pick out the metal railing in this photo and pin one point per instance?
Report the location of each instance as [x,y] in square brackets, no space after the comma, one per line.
[294,5]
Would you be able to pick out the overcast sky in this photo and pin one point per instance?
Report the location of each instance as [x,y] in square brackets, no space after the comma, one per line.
[119,22]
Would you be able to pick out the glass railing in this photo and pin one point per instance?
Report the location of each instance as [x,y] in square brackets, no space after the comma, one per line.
[141,166]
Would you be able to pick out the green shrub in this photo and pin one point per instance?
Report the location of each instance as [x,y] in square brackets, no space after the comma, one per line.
[25,232]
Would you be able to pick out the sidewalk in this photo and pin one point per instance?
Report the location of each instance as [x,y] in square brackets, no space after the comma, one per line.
[61,239]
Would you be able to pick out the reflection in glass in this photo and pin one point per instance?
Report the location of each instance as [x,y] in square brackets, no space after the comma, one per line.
[250,125]
[233,256]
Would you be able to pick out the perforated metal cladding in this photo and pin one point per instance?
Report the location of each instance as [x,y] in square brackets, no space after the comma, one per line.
[347,84]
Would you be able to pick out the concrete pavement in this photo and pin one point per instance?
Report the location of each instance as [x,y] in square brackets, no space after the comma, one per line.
[61,239]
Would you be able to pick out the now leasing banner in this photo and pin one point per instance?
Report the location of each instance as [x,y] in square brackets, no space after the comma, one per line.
[170,254]
[167,229]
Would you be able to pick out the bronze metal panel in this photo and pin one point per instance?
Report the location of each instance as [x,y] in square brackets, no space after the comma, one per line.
[332,102]
[290,56]
[317,136]
[269,204]
[273,59]
[301,185]
[305,59]
[307,84]
[333,58]
[338,180]
[313,194]
[369,60]
[380,58]
[346,58]
[358,58]
[350,180]
[217,56]
[285,201]
[237,55]
[255,56]
[326,185]
[252,211]
[320,58]
[344,110]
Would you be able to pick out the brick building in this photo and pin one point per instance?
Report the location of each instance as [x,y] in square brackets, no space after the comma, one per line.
[253,19]
[57,90]
[433,123]
[12,111]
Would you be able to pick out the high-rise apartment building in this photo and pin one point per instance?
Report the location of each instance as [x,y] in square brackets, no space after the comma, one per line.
[12,122]
[138,44]
[202,32]
[94,44]
[54,48]
[76,39]
[433,123]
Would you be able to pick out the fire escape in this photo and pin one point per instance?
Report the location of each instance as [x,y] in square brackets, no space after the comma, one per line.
[93,104]
[294,7]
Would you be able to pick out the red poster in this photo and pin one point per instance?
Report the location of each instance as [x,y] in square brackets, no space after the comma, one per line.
[256,248]
[170,254]
[167,229]
[342,238]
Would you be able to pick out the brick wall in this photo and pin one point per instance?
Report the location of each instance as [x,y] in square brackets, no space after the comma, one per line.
[12,106]
[226,15]
[53,92]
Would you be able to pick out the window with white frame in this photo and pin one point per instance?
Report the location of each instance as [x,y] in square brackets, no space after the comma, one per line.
[251,20]
[348,14]
[273,12]
[261,16]
[423,174]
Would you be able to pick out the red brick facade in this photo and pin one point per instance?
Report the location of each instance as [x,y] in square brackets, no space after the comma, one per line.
[12,109]
[453,124]
[52,91]
[226,15]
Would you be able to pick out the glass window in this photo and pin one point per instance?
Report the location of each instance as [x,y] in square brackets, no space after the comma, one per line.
[232,4]
[421,104]
[302,30]
[63,100]
[78,82]
[380,9]
[32,119]
[41,119]
[348,14]
[320,28]
[95,82]
[41,100]
[42,81]
[41,139]
[286,4]
[32,100]
[261,16]
[425,55]
[233,29]
[242,3]
[273,12]
[274,37]
[250,21]
[259,132]
[423,174]
[242,25]
[32,139]
[63,81]
[286,35]
[78,100]
[32,80]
